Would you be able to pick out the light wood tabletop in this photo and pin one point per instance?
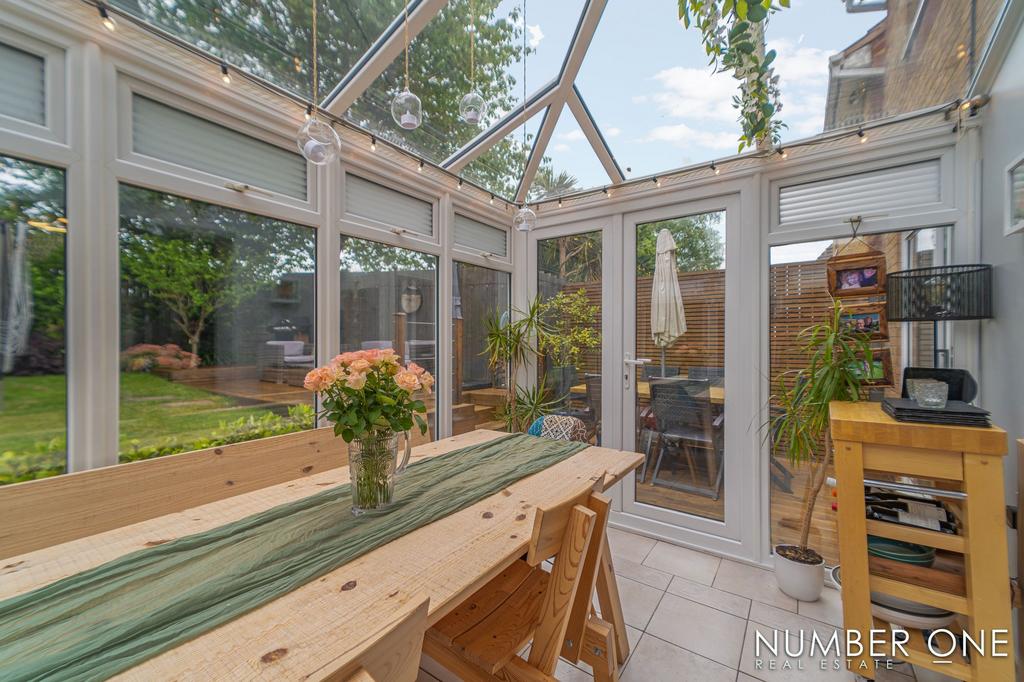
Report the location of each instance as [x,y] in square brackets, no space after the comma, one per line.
[309,632]
[643,391]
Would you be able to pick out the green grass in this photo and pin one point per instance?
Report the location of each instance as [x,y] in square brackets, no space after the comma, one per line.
[156,417]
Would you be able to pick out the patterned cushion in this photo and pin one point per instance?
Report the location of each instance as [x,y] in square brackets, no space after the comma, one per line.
[559,427]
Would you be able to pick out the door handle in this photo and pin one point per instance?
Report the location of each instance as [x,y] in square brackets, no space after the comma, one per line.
[638,361]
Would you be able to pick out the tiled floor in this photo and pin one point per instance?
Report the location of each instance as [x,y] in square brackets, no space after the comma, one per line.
[692,616]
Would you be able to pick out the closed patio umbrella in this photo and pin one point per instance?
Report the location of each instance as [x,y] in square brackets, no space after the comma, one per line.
[668,319]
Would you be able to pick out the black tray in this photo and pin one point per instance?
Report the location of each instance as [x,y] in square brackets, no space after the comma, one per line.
[956,413]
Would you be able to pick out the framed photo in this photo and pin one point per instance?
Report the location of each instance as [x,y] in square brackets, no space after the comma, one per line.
[877,371]
[868,318]
[861,275]
[1015,197]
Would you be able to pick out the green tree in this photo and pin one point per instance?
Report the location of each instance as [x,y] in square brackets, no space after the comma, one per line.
[551,183]
[699,245]
[194,258]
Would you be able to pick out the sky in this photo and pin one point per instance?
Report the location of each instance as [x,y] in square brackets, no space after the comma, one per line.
[648,85]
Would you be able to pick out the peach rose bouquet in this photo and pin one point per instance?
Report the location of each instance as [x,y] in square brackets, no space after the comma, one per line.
[370,391]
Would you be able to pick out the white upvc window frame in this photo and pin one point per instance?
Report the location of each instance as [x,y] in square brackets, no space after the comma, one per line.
[54,128]
[472,256]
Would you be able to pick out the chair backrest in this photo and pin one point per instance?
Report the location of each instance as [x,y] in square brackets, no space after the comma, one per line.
[682,403]
[572,532]
[702,373]
[652,370]
[593,382]
[393,654]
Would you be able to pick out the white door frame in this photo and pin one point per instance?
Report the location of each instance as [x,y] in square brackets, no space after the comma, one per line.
[741,408]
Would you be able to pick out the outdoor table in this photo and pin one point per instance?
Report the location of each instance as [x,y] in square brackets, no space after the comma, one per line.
[312,631]
[643,391]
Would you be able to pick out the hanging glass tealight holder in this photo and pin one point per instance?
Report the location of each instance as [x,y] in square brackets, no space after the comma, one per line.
[473,108]
[525,219]
[318,142]
[407,110]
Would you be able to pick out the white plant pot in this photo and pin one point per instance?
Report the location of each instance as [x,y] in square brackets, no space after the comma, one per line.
[798,580]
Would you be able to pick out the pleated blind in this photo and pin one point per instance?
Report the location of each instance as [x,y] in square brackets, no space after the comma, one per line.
[384,205]
[476,235]
[22,85]
[882,192]
[173,135]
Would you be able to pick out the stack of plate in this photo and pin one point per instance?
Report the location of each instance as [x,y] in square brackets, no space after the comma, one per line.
[901,551]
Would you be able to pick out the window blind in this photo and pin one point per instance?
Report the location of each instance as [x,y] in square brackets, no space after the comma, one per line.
[882,192]
[479,236]
[384,205]
[22,85]
[173,135]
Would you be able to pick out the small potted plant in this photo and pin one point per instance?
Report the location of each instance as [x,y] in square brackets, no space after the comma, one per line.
[371,398]
[569,320]
[800,429]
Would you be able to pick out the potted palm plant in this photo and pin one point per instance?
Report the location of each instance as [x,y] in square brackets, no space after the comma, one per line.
[836,353]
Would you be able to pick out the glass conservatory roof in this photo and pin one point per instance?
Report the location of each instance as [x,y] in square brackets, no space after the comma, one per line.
[615,90]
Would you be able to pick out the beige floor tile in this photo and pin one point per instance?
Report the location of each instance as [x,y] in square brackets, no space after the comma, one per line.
[709,596]
[638,601]
[828,609]
[684,562]
[927,675]
[629,545]
[566,672]
[780,619]
[752,582]
[782,668]
[640,573]
[424,676]
[658,661]
[701,629]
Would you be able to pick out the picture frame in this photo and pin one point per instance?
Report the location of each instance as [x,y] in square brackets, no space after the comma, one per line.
[881,371]
[867,317]
[860,275]
[1014,211]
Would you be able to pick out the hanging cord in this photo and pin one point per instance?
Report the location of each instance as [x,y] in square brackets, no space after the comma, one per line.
[526,156]
[855,224]
[406,25]
[472,46]
[316,73]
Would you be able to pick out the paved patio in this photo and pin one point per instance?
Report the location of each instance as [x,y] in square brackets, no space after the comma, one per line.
[692,616]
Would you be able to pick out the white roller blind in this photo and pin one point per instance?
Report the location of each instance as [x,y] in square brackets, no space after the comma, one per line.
[22,85]
[883,192]
[384,205]
[173,135]
[476,235]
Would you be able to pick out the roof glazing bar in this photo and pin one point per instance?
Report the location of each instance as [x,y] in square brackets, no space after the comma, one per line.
[594,136]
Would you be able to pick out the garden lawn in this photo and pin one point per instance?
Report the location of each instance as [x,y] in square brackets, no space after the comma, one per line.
[153,411]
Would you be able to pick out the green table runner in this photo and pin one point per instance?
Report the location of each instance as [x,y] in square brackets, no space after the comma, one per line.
[97,623]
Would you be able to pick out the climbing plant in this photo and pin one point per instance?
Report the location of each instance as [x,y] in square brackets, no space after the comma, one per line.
[733,35]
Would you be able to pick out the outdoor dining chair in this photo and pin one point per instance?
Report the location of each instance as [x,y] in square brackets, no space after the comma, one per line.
[394,654]
[686,423]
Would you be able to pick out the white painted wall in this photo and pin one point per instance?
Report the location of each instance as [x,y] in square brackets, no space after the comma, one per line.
[1001,381]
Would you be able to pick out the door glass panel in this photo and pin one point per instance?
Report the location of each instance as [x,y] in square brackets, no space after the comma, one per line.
[479,294]
[569,288]
[389,300]
[680,394]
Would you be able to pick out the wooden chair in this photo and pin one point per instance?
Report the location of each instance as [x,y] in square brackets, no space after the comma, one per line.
[524,604]
[389,656]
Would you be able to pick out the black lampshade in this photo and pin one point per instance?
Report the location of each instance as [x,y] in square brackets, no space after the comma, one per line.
[948,292]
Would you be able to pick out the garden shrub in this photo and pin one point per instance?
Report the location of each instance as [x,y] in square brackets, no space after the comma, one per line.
[47,458]
[142,357]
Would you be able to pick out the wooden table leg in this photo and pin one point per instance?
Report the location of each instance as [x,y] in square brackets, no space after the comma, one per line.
[987,587]
[611,605]
[853,551]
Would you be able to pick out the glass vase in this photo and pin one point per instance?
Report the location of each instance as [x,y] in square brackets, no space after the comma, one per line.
[373,464]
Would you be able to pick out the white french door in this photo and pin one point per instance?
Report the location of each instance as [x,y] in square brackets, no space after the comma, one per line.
[689,402]
[698,484]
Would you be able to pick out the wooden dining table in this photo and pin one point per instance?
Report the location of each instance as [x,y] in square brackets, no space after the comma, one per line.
[312,631]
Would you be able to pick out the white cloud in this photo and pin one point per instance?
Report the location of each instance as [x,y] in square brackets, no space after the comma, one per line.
[683,135]
[639,99]
[798,65]
[536,35]
[695,94]
[574,135]
[612,132]
[561,147]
